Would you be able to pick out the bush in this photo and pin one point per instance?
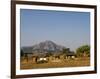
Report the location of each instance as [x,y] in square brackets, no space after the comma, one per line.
[85,49]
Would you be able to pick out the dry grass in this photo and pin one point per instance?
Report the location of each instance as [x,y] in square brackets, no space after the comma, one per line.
[77,62]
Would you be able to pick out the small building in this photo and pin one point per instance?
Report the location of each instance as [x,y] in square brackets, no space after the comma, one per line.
[70,55]
[27,53]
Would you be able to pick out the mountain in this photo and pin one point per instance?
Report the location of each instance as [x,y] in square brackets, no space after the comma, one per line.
[47,46]
[44,47]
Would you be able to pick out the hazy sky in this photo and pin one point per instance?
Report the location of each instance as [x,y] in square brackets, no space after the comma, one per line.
[70,29]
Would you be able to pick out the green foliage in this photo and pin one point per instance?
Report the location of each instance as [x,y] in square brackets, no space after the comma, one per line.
[85,49]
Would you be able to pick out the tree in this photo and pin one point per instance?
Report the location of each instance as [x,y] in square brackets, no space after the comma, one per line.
[22,53]
[83,50]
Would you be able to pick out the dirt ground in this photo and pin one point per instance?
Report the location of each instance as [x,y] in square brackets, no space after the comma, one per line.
[77,62]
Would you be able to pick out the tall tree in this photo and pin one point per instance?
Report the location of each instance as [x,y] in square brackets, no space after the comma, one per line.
[83,50]
[22,53]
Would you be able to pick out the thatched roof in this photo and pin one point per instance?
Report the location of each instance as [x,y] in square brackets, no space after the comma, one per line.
[26,49]
[71,54]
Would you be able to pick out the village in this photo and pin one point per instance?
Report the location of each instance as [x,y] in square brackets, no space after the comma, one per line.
[66,58]
[46,57]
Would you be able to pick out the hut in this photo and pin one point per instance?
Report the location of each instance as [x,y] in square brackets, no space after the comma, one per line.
[27,53]
[70,55]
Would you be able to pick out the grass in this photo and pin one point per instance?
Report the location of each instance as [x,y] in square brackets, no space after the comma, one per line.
[77,62]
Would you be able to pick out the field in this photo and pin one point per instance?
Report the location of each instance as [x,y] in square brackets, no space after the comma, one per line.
[77,62]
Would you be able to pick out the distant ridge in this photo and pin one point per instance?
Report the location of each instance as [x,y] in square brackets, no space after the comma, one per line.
[43,47]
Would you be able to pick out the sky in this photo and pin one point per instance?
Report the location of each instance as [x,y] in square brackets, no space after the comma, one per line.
[67,28]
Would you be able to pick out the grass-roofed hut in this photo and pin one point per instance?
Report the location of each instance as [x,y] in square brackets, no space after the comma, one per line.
[70,55]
